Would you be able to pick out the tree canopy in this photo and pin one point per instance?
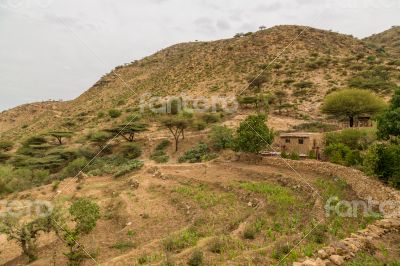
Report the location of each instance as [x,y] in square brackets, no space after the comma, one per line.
[352,103]
[128,131]
[389,121]
[177,126]
[253,135]
[59,135]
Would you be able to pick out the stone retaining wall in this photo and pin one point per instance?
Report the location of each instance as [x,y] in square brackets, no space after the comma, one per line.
[365,187]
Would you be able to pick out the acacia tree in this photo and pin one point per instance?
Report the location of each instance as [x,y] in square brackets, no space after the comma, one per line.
[128,131]
[351,103]
[59,135]
[25,234]
[280,98]
[177,126]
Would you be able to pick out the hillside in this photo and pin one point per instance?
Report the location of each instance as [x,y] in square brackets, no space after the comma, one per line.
[389,40]
[318,61]
[100,181]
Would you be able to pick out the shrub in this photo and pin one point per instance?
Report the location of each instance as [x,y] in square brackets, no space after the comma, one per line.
[197,154]
[217,246]
[383,160]
[294,156]
[249,232]
[114,113]
[6,145]
[163,145]
[74,167]
[85,213]
[303,84]
[131,150]
[210,118]
[4,157]
[199,125]
[124,245]
[221,137]
[356,139]
[159,156]
[181,241]
[127,168]
[281,249]
[196,259]
[342,154]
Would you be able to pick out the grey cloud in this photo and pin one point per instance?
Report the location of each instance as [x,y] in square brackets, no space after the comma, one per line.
[223,25]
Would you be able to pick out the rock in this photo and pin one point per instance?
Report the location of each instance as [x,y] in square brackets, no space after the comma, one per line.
[338,260]
[322,254]
[133,183]
[128,224]
[319,262]
[309,262]
[250,204]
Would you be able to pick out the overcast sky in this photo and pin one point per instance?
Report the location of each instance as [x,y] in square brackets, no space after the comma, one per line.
[56,49]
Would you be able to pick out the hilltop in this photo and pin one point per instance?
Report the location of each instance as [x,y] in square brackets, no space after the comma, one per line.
[389,41]
[319,61]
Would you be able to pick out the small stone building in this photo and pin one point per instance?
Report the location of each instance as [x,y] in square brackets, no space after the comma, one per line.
[302,143]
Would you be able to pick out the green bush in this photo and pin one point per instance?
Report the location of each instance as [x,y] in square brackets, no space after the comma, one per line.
[210,118]
[221,137]
[383,160]
[128,168]
[14,180]
[198,154]
[4,157]
[199,125]
[159,156]
[114,113]
[249,232]
[6,145]
[342,154]
[163,145]
[196,259]
[131,150]
[294,156]
[356,139]
[74,167]
[182,240]
[281,249]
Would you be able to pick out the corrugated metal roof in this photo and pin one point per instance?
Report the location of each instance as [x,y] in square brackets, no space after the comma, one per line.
[298,135]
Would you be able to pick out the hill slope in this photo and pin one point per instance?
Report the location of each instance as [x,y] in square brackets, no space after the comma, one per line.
[389,40]
[318,61]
